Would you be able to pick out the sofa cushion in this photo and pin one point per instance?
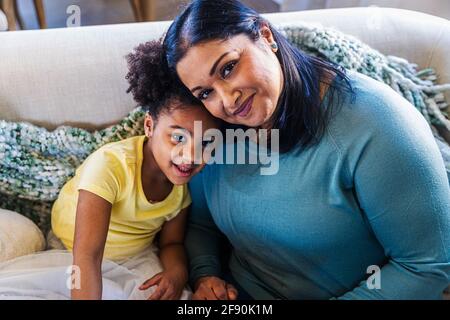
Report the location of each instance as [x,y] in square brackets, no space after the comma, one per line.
[19,236]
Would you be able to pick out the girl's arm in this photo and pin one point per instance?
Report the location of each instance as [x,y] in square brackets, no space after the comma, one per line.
[91,229]
[171,245]
[173,259]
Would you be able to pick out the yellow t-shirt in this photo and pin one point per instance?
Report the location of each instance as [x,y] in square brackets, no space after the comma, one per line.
[113,172]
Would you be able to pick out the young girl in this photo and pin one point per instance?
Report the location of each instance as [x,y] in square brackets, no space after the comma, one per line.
[127,192]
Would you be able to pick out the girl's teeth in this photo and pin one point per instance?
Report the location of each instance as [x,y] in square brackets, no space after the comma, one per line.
[184,169]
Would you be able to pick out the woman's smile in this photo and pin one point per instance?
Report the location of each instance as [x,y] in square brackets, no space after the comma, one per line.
[245,107]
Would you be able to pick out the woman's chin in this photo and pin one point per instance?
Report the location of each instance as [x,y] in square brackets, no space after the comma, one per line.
[253,122]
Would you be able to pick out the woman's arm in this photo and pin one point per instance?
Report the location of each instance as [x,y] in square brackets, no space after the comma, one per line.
[402,187]
[91,229]
[203,245]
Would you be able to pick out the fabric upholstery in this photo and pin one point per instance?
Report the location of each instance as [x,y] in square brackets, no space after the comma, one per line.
[19,236]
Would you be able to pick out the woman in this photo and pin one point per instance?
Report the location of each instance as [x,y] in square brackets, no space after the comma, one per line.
[361,185]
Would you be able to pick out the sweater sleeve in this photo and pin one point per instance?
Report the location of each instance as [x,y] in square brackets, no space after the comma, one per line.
[402,188]
[203,238]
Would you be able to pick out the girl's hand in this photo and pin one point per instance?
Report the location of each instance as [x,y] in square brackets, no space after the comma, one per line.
[170,285]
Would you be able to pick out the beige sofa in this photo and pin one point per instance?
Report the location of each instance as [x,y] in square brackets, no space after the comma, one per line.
[75,76]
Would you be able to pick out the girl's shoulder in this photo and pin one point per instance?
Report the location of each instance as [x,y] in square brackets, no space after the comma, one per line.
[128,150]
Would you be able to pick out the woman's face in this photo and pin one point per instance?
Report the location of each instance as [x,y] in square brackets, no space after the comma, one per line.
[238,80]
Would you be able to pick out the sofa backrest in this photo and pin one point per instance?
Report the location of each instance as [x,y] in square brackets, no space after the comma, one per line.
[76,76]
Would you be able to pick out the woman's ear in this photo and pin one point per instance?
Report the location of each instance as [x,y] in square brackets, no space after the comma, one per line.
[267,35]
[148,125]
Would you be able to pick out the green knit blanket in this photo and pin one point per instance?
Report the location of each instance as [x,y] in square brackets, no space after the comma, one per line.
[36,163]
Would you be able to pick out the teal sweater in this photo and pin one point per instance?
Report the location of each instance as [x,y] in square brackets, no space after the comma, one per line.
[373,193]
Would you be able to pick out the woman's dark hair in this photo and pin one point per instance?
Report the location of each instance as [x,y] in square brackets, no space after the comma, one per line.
[152,84]
[300,116]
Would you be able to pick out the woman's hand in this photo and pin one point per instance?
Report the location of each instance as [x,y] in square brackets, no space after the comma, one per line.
[214,288]
[170,285]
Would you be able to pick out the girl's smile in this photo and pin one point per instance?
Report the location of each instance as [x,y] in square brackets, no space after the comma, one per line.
[184,170]
[172,142]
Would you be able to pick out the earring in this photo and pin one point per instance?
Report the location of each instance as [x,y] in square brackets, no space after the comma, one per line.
[274,46]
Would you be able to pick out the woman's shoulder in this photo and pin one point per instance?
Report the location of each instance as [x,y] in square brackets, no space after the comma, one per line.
[377,122]
[373,108]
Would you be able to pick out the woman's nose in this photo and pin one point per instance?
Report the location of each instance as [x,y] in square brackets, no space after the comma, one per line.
[229,97]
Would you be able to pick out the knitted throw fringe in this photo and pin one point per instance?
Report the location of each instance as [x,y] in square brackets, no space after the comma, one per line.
[36,163]
[418,87]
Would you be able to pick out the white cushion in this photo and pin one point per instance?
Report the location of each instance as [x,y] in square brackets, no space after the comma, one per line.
[19,236]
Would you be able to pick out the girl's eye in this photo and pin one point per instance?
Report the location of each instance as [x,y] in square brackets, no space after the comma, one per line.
[207,142]
[178,138]
[203,95]
[226,70]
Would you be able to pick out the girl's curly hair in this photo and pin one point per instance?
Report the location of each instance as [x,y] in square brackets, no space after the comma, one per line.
[152,84]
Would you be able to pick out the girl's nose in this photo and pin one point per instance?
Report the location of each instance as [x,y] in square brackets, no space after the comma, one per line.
[189,152]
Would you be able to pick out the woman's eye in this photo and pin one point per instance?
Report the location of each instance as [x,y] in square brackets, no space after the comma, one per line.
[226,70]
[204,94]
[178,138]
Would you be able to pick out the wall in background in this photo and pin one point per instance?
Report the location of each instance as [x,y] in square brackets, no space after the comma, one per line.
[440,8]
[95,12]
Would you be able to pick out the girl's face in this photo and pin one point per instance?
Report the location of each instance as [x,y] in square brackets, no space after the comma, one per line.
[173,144]
[238,80]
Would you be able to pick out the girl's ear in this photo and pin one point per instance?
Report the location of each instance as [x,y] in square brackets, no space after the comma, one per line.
[148,125]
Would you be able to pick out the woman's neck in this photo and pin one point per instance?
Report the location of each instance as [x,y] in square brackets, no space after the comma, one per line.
[325,82]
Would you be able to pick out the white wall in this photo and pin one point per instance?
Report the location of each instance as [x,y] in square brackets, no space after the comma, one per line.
[439,8]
